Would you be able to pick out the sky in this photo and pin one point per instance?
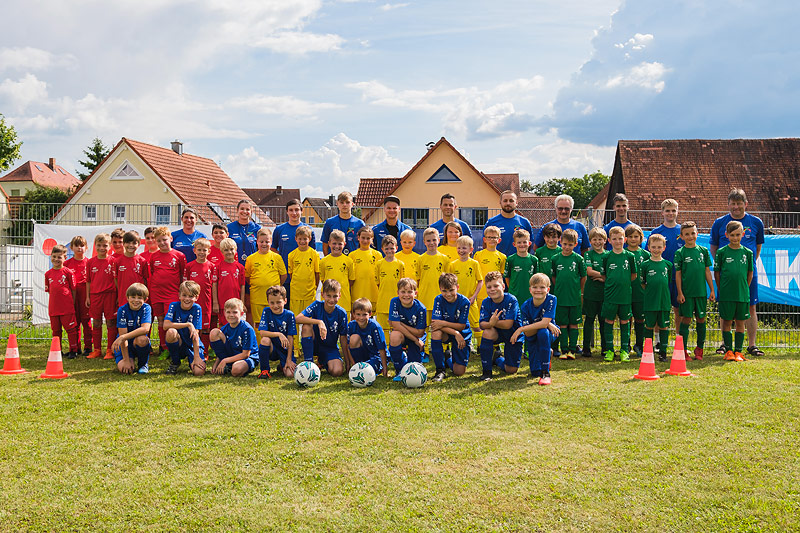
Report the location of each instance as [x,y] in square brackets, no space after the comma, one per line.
[317,94]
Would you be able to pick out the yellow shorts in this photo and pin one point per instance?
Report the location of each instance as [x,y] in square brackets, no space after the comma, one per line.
[256,310]
[383,321]
[297,307]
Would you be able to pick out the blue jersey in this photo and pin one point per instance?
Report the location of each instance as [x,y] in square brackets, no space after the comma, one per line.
[415,316]
[583,235]
[245,237]
[185,243]
[349,227]
[372,338]
[283,240]
[674,241]
[507,228]
[240,338]
[282,323]
[531,314]
[440,224]
[753,232]
[129,319]
[457,312]
[181,316]
[335,322]
[382,230]
[614,224]
[509,310]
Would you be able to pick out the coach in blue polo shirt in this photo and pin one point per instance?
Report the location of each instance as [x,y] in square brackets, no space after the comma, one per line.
[508,221]
[564,206]
[392,225]
[448,206]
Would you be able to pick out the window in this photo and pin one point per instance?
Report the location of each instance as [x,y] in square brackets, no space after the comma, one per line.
[219,212]
[474,216]
[119,213]
[14,192]
[39,168]
[126,172]
[62,171]
[162,214]
[303,220]
[443,175]
[416,218]
[310,220]
[89,212]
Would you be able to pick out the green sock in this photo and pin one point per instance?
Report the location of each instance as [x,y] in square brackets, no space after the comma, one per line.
[727,339]
[609,340]
[564,338]
[588,334]
[625,337]
[739,341]
[663,338]
[573,339]
[639,328]
[683,331]
[701,334]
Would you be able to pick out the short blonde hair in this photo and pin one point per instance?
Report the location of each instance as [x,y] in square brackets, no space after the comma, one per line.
[540,278]
[234,303]
[202,241]
[78,240]
[570,235]
[430,231]
[465,240]
[492,229]
[102,237]
[597,231]
[331,285]
[657,237]
[633,228]
[521,234]
[192,288]
[408,234]
[615,230]
[669,202]
[264,231]
[403,283]
[303,230]
[227,244]
[337,235]
[344,195]
[362,304]
[161,231]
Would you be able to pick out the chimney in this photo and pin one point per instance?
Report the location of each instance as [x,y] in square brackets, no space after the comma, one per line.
[52,164]
[278,190]
[331,201]
[177,147]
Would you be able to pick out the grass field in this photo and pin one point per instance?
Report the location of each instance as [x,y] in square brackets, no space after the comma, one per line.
[595,451]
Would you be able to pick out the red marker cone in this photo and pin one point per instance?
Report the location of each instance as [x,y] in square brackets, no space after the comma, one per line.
[11,364]
[678,365]
[55,367]
[647,368]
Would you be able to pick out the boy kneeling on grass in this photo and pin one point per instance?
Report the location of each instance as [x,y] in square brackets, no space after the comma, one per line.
[323,324]
[450,323]
[366,341]
[235,343]
[499,320]
[278,330]
[133,322]
[538,314]
[183,323]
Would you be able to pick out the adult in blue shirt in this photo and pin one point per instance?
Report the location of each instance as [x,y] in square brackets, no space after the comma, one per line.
[671,231]
[753,239]
[244,231]
[392,225]
[183,239]
[620,204]
[283,241]
[508,221]
[344,222]
[564,206]
[448,206]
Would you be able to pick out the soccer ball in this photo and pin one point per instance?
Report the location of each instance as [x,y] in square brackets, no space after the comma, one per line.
[414,375]
[362,375]
[306,374]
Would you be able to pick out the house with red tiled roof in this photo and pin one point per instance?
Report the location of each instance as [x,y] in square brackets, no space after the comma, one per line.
[140,183]
[317,210]
[31,173]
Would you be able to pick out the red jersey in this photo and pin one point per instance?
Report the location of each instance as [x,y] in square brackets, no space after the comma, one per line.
[78,269]
[215,256]
[230,280]
[146,254]
[100,275]
[166,274]
[204,274]
[60,284]
[129,270]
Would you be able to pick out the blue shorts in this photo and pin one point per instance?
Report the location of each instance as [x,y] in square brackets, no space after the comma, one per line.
[251,365]
[185,351]
[375,362]
[279,354]
[460,355]
[326,354]
[512,351]
[142,359]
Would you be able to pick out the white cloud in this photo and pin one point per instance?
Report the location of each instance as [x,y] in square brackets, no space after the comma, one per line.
[297,42]
[646,75]
[288,106]
[390,7]
[18,95]
[637,42]
[28,59]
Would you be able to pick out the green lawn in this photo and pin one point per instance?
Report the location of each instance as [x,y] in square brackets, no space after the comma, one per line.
[595,451]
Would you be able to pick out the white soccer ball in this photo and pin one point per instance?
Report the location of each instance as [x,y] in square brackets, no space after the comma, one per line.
[306,374]
[414,375]
[362,375]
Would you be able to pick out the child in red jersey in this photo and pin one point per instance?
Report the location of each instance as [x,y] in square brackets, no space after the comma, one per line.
[218,232]
[150,246]
[59,283]
[77,263]
[204,273]
[102,296]
[230,276]
[166,274]
[117,237]
[129,268]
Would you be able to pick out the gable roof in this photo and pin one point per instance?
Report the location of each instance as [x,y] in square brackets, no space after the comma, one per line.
[505,182]
[43,174]
[271,197]
[317,202]
[372,191]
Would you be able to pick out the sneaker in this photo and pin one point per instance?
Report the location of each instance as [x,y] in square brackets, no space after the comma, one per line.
[624,356]
[72,355]
[638,351]
[397,377]
[171,370]
[439,377]
[657,347]
[662,357]
[556,355]
[425,359]
[738,356]
[486,376]
[586,352]
[564,355]
[545,379]
[608,356]
[497,353]
[163,353]
[752,350]
[109,354]
[571,355]
[94,354]
[145,369]
[264,374]
[86,352]
[722,350]
[698,353]
[729,356]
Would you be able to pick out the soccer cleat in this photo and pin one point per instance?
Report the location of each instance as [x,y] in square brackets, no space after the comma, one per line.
[94,354]
[722,350]
[439,377]
[563,355]
[425,359]
[486,376]
[662,357]
[145,369]
[555,354]
[86,352]
[264,375]
[608,356]
[638,350]
[163,353]
[171,370]
[738,356]
[587,352]
[752,350]
[398,377]
[109,354]
[698,353]
[72,355]
[571,355]
[545,379]
[729,356]
[624,356]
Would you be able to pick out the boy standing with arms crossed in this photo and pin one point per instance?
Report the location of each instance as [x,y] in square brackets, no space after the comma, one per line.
[203,272]
[619,268]
[129,268]
[692,275]
[569,277]
[733,271]
[656,273]
[407,255]
[593,290]
[364,260]
[432,264]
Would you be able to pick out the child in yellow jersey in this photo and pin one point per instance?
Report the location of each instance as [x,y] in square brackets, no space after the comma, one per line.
[452,231]
[470,281]
[432,264]
[304,269]
[340,267]
[490,259]
[388,271]
[262,270]
[364,260]
[407,255]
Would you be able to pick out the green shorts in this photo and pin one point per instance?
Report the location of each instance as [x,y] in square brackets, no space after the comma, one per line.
[568,315]
[657,318]
[637,309]
[591,308]
[734,310]
[611,311]
[694,306]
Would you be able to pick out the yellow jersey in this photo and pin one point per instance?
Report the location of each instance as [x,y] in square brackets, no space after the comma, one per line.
[387,274]
[429,268]
[364,285]
[302,267]
[409,259]
[489,261]
[469,274]
[342,270]
[263,271]
[449,251]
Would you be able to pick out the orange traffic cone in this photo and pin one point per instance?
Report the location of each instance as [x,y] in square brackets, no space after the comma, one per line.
[678,365]
[55,367]
[11,364]
[647,368]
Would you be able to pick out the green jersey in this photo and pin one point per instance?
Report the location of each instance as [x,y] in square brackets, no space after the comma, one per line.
[519,271]
[692,264]
[617,268]
[641,255]
[593,290]
[568,270]
[544,254]
[655,278]
[733,266]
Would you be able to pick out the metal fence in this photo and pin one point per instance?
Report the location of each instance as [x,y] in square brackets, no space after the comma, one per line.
[780,324]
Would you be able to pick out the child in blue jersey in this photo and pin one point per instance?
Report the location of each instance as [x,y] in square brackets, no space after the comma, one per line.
[235,343]
[408,319]
[499,320]
[450,322]
[323,324]
[538,325]
[183,323]
[278,330]
[133,321]
[366,341]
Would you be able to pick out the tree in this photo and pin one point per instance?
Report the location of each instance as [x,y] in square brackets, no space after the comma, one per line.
[40,204]
[95,153]
[582,190]
[9,146]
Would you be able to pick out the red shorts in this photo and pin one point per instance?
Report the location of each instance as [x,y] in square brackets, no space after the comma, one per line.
[68,322]
[104,303]
[81,311]
[207,317]
[159,309]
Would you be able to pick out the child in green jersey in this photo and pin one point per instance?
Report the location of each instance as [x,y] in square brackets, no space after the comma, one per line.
[635,236]
[656,274]
[520,267]
[733,272]
[551,234]
[593,290]
[692,275]
[619,268]
[569,276]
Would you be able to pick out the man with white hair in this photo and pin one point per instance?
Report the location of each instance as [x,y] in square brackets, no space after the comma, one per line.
[564,205]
